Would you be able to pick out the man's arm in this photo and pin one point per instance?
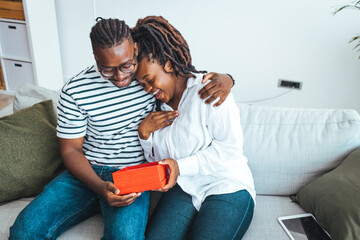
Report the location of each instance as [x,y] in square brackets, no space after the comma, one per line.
[77,164]
[220,86]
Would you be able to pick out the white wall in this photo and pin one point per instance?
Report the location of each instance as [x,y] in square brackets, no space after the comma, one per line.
[75,19]
[258,42]
[41,23]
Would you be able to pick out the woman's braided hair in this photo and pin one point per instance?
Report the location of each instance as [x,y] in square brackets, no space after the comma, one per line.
[158,39]
[107,33]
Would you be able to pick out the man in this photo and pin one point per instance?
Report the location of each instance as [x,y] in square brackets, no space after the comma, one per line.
[98,115]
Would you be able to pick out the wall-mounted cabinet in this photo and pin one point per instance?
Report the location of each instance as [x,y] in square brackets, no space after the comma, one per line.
[29,48]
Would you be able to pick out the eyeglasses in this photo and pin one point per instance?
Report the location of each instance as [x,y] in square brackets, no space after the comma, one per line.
[124,68]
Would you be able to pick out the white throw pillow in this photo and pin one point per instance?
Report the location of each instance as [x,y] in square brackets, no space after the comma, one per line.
[6,110]
[27,95]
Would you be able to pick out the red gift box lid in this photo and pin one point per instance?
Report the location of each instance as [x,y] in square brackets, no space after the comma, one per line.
[140,178]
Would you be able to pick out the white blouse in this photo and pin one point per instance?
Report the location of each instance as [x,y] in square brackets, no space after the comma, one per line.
[207,143]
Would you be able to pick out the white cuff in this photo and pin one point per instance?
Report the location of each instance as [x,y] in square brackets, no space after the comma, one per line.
[146,144]
[188,165]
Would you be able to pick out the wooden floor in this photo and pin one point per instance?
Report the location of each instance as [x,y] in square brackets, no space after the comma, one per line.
[5,100]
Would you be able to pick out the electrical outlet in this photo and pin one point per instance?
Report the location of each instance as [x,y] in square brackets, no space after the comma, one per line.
[290,84]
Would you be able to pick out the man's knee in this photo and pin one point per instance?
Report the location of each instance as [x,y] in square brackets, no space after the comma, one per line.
[24,229]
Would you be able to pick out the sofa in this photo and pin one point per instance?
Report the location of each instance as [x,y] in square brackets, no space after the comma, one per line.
[287,148]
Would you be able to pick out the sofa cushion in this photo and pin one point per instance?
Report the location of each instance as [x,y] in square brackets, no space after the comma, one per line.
[29,151]
[264,225]
[334,199]
[289,147]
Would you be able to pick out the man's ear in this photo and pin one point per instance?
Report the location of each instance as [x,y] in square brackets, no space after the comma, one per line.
[168,67]
[136,49]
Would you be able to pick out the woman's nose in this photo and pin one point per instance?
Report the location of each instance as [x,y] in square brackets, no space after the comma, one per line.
[147,88]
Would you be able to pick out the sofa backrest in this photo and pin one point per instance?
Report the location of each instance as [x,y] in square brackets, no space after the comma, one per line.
[289,147]
[286,147]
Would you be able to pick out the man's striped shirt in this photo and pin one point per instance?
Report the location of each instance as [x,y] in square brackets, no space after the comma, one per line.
[106,116]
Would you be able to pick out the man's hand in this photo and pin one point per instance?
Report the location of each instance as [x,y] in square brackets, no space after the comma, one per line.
[110,193]
[174,173]
[155,121]
[74,159]
[220,86]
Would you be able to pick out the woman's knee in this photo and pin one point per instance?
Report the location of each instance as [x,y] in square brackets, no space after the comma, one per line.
[244,223]
[172,216]
[124,235]
[225,216]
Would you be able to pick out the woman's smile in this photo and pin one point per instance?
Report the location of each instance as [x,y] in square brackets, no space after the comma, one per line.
[157,94]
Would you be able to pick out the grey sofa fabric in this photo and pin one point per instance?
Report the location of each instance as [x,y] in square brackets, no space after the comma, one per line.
[290,147]
[264,225]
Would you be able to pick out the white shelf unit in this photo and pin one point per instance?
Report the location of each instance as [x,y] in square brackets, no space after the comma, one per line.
[15,54]
[29,50]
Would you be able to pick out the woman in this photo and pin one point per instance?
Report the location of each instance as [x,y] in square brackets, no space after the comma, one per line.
[210,192]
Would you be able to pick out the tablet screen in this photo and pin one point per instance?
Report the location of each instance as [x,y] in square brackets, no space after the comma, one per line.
[305,228]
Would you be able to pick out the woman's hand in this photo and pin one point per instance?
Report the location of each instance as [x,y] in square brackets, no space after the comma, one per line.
[110,193]
[174,173]
[155,121]
[220,86]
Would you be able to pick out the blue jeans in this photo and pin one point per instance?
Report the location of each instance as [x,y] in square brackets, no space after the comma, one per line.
[224,216]
[66,201]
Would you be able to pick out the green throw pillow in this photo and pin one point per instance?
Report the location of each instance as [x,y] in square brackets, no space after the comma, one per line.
[334,199]
[29,152]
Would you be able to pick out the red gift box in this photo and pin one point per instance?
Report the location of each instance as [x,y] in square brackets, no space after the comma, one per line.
[140,178]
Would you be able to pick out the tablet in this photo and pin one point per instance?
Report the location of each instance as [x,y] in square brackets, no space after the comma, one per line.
[303,227]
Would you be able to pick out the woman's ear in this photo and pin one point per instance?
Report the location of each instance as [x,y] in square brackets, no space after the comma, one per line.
[168,67]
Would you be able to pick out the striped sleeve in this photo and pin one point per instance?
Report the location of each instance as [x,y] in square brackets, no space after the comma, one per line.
[71,120]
